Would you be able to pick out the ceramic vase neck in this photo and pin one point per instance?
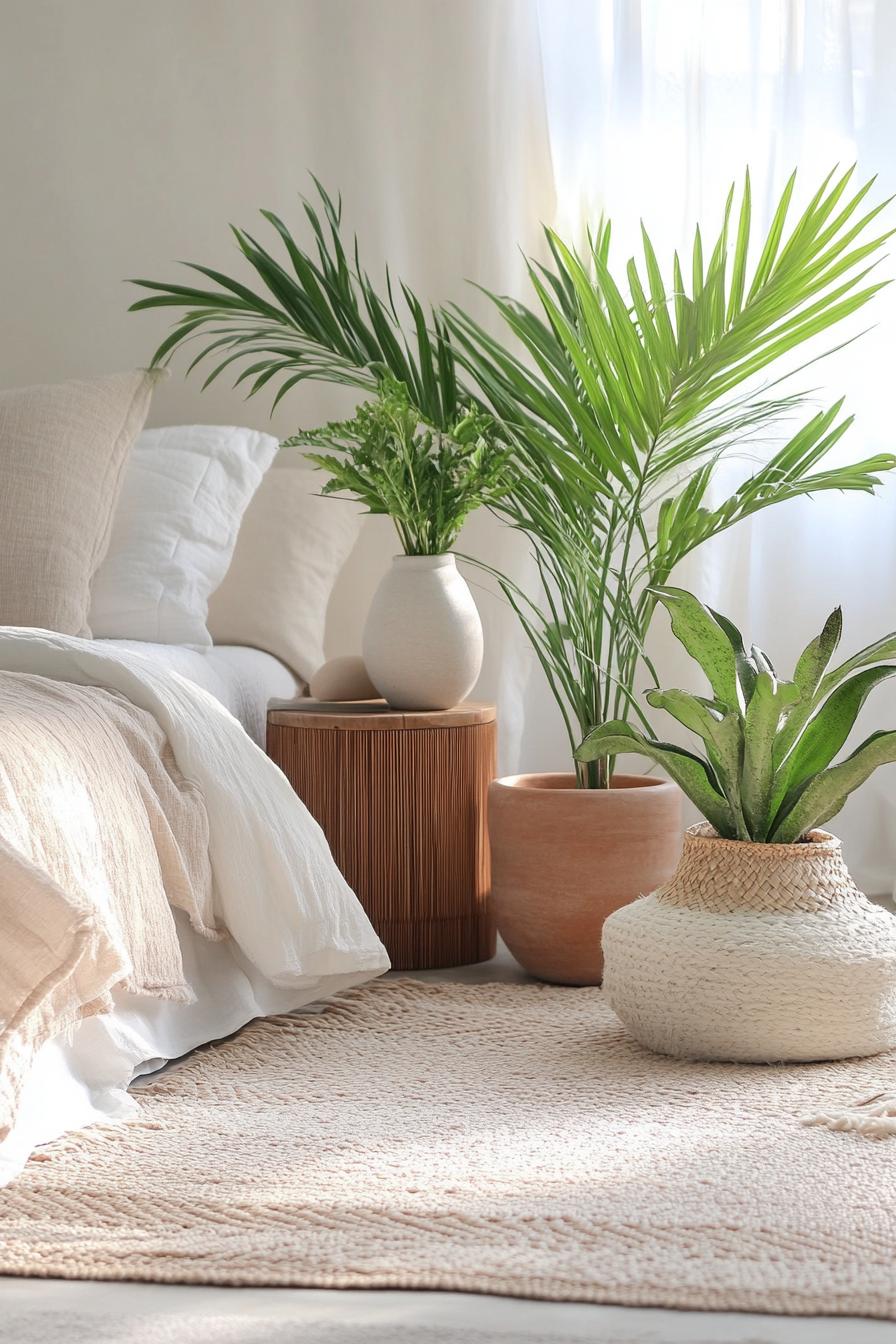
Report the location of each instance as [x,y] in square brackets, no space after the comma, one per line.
[446,560]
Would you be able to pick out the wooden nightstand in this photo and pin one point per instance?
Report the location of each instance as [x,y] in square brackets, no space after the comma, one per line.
[401,798]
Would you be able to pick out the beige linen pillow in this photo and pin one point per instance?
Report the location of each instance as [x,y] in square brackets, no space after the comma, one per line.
[290,549]
[62,454]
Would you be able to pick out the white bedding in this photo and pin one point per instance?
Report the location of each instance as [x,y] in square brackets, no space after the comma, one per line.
[297,931]
[243,679]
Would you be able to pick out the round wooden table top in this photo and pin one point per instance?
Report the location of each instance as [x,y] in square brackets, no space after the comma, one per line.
[371,715]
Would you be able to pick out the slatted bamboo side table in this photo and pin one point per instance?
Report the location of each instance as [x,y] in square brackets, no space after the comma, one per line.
[401,797]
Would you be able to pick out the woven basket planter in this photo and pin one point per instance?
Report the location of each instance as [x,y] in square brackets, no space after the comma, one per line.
[755,953]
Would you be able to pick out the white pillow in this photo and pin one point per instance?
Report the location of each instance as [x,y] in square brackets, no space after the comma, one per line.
[291,547]
[185,491]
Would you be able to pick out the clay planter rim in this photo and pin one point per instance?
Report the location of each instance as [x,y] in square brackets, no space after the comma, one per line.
[550,784]
[702,836]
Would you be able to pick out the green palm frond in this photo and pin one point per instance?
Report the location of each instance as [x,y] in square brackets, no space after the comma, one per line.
[314,315]
[624,401]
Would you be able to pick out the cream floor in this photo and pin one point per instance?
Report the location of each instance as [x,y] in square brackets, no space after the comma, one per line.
[51,1311]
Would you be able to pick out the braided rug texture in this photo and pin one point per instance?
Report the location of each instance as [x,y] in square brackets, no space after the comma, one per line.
[492,1138]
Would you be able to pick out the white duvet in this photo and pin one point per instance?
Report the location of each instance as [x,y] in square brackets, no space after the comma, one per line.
[296,928]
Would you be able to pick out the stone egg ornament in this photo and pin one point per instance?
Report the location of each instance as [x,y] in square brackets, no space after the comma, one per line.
[343,678]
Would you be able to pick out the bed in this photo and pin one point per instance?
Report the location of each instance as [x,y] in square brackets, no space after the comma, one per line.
[160,882]
[82,1075]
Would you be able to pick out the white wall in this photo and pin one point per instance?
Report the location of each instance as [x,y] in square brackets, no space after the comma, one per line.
[133,133]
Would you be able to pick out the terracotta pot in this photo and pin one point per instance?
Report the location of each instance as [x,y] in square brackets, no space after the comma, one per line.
[563,859]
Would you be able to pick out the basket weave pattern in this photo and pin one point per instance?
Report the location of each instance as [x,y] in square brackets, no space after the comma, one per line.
[755,952]
[736,876]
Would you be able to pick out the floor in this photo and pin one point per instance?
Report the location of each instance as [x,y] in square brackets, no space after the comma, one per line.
[42,1311]
[54,1312]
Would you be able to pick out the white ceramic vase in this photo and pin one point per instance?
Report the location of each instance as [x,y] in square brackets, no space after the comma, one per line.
[422,641]
[756,953]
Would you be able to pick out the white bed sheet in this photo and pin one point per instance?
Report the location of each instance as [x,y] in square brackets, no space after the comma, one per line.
[244,680]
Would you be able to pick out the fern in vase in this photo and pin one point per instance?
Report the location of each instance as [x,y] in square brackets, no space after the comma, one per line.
[426,479]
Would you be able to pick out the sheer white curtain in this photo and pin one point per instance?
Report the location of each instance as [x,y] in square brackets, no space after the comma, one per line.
[653,107]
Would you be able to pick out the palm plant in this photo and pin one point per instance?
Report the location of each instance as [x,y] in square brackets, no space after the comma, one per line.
[621,402]
[766,774]
[427,480]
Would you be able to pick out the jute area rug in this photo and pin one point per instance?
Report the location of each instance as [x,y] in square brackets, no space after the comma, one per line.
[491,1139]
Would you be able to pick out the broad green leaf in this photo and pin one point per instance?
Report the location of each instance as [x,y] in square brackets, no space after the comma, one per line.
[688,771]
[807,676]
[827,731]
[825,794]
[761,659]
[746,668]
[769,701]
[721,730]
[878,652]
[817,654]
[704,639]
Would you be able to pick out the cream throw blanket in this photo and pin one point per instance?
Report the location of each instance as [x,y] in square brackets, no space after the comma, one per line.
[98,833]
[124,788]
